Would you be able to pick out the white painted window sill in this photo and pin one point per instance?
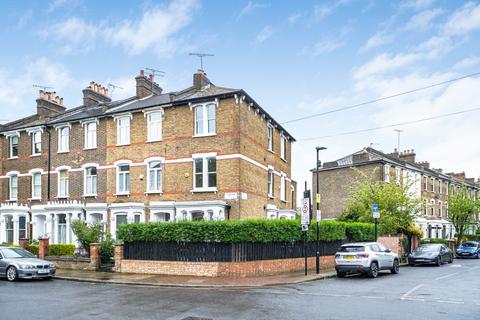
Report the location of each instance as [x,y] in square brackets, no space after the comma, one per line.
[204,135]
[12,200]
[284,201]
[62,197]
[284,160]
[35,155]
[35,199]
[156,140]
[271,151]
[271,197]
[153,192]
[92,148]
[89,196]
[60,152]
[204,190]
[123,144]
[122,194]
[12,158]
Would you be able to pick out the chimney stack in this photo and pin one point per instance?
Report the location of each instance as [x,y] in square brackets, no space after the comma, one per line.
[49,104]
[147,86]
[423,164]
[408,156]
[200,80]
[95,94]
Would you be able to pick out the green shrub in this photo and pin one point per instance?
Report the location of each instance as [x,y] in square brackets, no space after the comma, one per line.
[434,240]
[87,233]
[229,231]
[58,250]
[360,231]
[107,249]
[33,248]
[471,237]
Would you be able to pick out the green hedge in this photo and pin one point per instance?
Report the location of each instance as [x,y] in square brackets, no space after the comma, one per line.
[434,240]
[235,231]
[360,231]
[55,250]
[471,237]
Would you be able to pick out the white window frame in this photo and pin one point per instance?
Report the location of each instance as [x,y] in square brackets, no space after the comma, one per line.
[440,209]
[205,173]
[118,173]
[151,137]
[204,124]
[10,138]
[283,187]
[386,173]
[432,208]
[283,147]
[123,140]
[270,132]
[63,139]
[63,193]
[432,180]
[398,173]
[270,182]
[425,183]
[33,173]
[13,196]
[90,135]
[34,143]
[85,168]
[148,162]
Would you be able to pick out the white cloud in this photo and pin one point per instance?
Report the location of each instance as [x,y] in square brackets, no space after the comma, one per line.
[294,17]
[324,10]
[385,62]
[423,20]
[23,20]
[17,96]
[467,63]
[326,46]
[250,7]
[264,34]
[463,20]
[377,40]
[416,4]
[154,30]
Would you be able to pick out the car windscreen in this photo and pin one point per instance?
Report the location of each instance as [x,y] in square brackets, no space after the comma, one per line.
[352,249]
[469,245]
[16,253]
[430,248]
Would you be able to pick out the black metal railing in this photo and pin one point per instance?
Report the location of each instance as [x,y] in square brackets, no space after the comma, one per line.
[223,252]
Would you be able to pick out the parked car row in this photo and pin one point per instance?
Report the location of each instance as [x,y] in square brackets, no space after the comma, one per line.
[372,257]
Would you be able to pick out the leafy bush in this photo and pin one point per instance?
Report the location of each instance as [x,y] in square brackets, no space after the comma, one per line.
[471,237]
[87,233]
[58,250]
[434,240]
[229,231]
[360,231]
[107,249]
[33,248]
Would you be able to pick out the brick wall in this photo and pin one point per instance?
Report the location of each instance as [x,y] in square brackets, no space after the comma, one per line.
[393,243]
[223,269]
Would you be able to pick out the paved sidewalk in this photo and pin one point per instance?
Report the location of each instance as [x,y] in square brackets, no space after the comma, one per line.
[189,281]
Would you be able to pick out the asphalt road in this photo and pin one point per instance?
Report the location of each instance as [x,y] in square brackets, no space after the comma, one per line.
[447,292]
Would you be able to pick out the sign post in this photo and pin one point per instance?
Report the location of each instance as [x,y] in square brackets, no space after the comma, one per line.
[376,216]
[305,220]
[317,253]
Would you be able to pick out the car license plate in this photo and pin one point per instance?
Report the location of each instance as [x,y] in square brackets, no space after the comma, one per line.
[348,257]
[43,271]
[465,253]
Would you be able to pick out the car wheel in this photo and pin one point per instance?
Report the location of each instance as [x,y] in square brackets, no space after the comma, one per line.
[341,274]
[373,272]
[477,256]
[451,259]
[12,274]
[439,261]
[396,267]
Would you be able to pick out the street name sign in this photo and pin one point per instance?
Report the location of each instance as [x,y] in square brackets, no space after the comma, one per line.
[376,213]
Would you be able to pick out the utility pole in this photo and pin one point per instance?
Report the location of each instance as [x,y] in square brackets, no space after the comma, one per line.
[319,214]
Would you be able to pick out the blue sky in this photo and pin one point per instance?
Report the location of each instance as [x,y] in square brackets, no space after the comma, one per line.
[294,57]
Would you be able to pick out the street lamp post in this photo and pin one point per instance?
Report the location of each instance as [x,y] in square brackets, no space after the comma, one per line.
[317,199]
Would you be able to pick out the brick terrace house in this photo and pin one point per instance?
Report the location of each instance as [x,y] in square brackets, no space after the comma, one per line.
[202,153]
[430,186]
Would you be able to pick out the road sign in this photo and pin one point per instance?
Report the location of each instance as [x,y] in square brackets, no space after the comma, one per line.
[305,211]
[304,227]
[319,215]
[318,198]
[376,213]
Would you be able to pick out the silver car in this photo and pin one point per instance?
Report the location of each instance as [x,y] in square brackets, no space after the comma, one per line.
[368,258]
[18,263]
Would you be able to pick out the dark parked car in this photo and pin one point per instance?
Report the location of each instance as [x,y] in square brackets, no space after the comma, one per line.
[469,249]
[18,263]
[431,254]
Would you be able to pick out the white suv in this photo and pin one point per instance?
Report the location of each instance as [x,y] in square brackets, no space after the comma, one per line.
[368,258]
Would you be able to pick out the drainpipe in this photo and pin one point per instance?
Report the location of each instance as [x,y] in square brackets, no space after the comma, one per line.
[49,162]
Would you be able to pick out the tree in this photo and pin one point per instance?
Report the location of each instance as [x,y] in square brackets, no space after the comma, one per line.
[461,211]
[396,204]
